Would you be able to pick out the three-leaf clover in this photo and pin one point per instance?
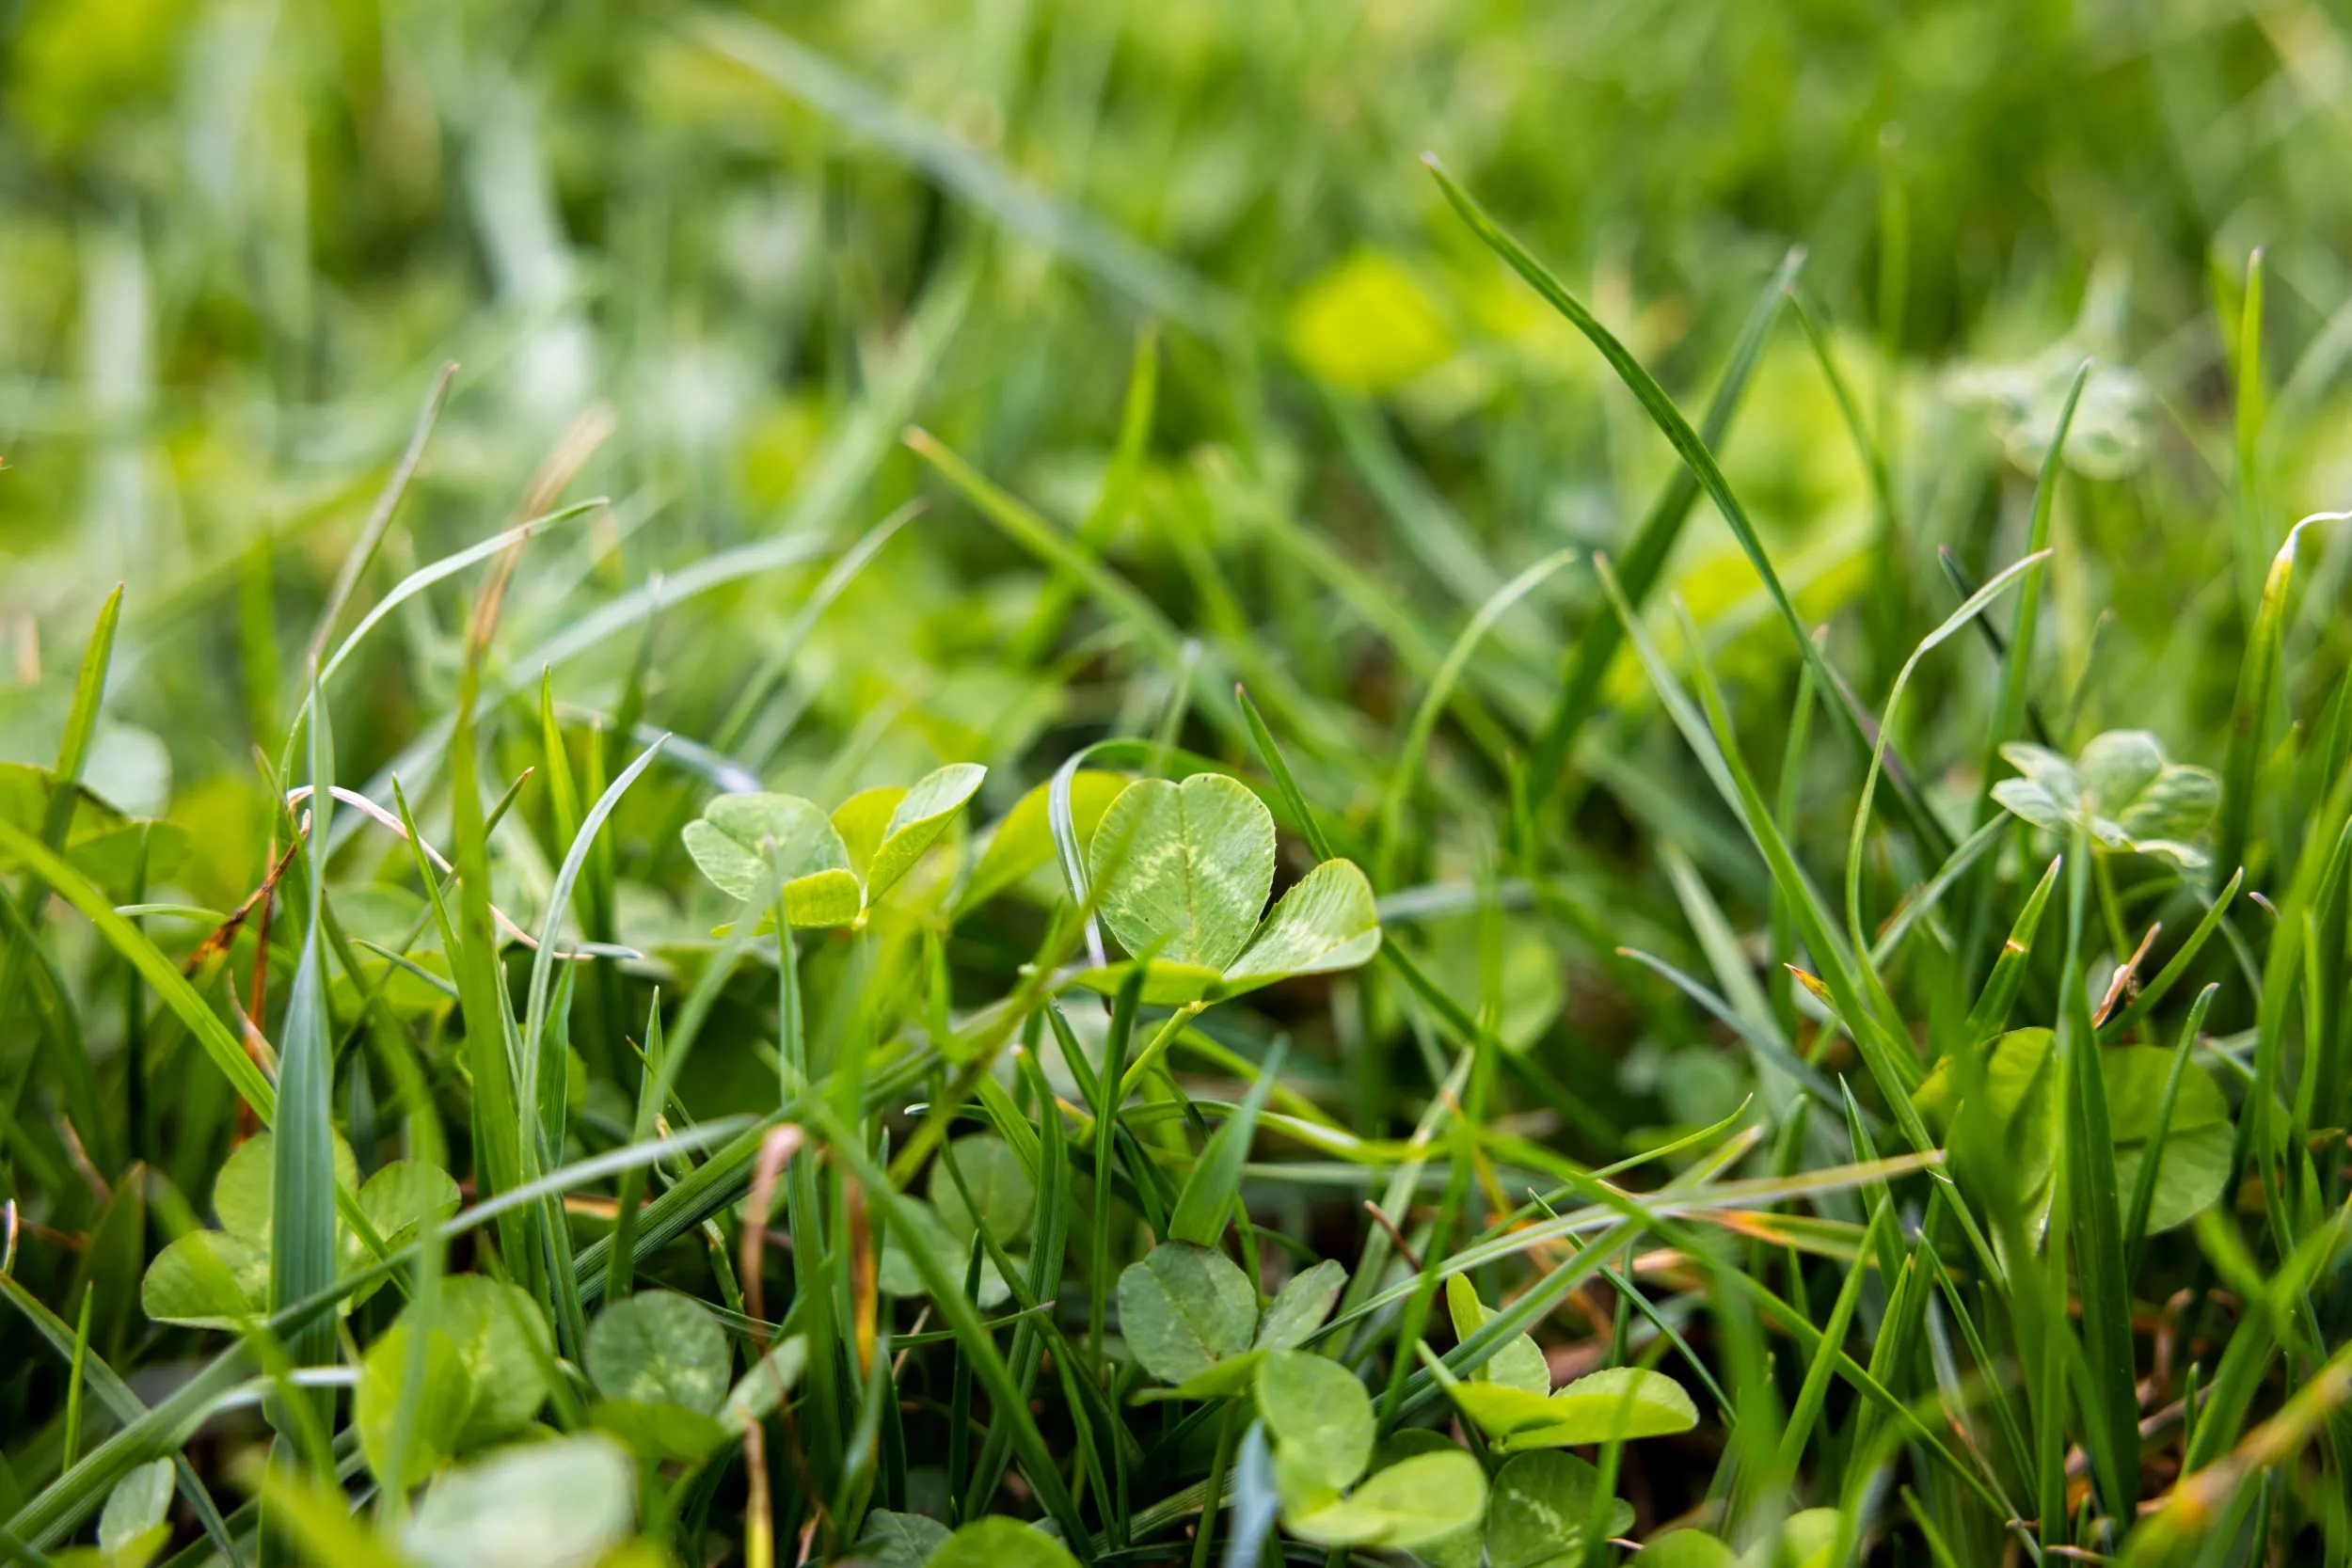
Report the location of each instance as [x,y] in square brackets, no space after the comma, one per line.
[834,868]
[2123,789]
[220,1279]
[1180,872]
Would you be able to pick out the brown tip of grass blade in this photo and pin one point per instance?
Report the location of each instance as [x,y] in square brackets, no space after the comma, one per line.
[557,470]
[2126,977]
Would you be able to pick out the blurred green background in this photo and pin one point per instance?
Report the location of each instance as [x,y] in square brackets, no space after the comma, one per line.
[238,239]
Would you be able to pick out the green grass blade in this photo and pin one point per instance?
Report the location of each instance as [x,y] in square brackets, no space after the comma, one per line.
[2250,713]
[1433,702]
[1645,555]
[1693,451]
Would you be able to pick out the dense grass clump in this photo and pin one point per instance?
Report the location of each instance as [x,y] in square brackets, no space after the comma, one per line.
[851,791]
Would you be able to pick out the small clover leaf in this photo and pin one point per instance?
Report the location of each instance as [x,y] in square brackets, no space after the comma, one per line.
[1322,1423]
[1185,1308]
[1519,1364]
[1542,1505]
[1622,1403]
[2121,789]
[659,1347]
[1182,873]
[833,867]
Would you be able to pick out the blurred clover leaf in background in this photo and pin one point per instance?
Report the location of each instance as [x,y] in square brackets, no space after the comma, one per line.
[2131,796]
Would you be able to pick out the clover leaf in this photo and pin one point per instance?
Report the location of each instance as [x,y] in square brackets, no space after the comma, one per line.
[219,1278]
[1181,871]
[1519,1364]
[835,867]
[1622,1403]
[1191,1317]
[2123,790]
[1322,1423]
[1542,1504]
[2012,1141]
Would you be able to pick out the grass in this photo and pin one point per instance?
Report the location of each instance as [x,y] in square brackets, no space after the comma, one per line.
[808,787]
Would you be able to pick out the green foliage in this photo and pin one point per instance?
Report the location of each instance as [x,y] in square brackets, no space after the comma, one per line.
[1183,1308]
[1183,872]
[1710,750]
[2122,786]
[658,1347]
[995,1542]
[1323,1428]
[566,1501]
[1540,1509]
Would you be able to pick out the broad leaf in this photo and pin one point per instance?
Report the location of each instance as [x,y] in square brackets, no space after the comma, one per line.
[1686,1548]
[659,1347]
[899,1539]
[1183,1308]
[898,1274]
[861,820]
[1181,871]
[1319,1415]
[139,1505]
[736,835]
[493,1327]
[1541,1507]
[659,1432]
[396,1200]
[1002,1195]
[997,1542]
[2195,1166]
[242,1192]
[405,1193]
[1620,1402]
[208,1279]
[1519,1364]
[1300,1306]
[559,1504]
[1808,1538]
[1425,1499]
[2115,767]
[1326,922]
[1022,842]
[444,1400]
[2021,1113]
[2122,786]
[1233,1375]
[922,814]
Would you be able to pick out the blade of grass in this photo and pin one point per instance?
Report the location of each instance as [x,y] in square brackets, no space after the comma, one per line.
[1693,451]
[1643,558]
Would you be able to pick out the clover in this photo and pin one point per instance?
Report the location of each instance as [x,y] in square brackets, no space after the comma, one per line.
[2123,789]
[1338,1487]
[835,868]
[1180,872]
[1511,1398]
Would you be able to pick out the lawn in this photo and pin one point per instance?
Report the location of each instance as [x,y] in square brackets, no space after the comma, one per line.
[1429,781]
